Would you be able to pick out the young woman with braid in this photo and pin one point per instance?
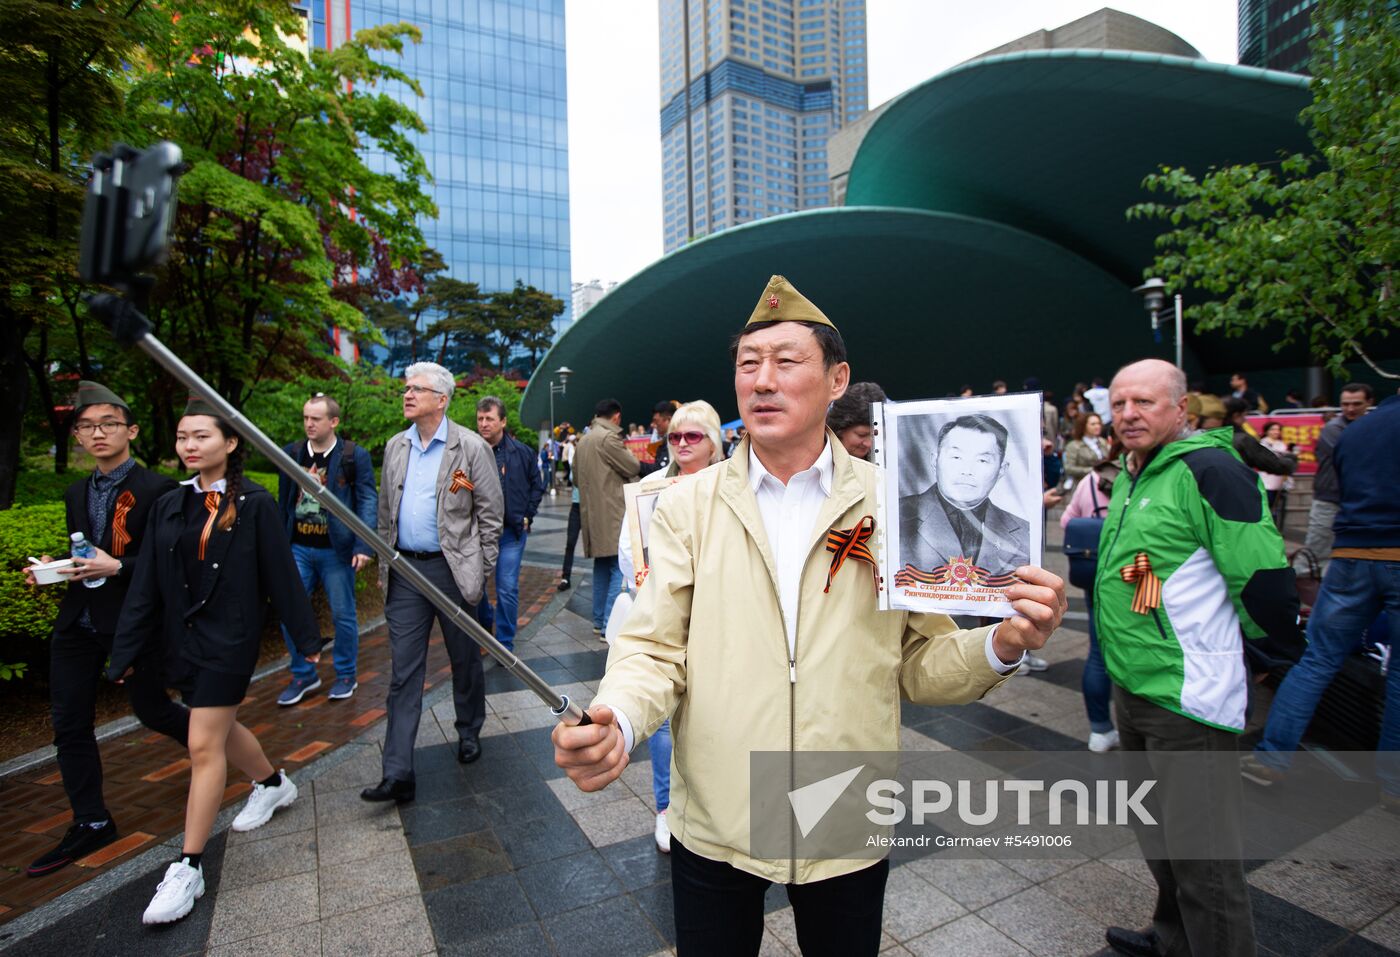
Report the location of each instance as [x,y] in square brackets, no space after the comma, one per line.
[216,554]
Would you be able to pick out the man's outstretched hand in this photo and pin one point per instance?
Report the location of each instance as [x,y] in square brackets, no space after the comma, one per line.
[1039,597]
[592,755]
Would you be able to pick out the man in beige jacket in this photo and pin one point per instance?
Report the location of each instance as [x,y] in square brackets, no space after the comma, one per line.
[602,465]
[735,637]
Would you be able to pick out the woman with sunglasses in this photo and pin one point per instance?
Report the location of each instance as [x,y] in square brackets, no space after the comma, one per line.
[217,553]
[694,440]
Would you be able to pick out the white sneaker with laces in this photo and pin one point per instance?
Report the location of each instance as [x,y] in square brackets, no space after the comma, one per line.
[1099,742]
[263,802]
[663,834]
[175,897]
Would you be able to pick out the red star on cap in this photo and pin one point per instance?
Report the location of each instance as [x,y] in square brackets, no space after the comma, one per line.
[772,302]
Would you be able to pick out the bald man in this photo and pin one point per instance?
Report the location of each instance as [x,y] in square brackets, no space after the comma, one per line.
[1189,561]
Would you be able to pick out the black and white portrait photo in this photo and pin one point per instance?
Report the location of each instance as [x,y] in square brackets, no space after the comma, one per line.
[962,500]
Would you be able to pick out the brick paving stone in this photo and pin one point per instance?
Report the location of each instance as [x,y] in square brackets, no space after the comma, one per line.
[32,808]
[116,849]
[49,823]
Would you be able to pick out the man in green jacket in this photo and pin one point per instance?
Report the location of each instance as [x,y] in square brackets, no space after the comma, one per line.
[1189,562]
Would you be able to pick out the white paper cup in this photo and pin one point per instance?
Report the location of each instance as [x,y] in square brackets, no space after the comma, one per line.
[48,574]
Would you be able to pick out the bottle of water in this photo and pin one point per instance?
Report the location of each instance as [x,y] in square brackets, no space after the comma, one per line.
[82,548]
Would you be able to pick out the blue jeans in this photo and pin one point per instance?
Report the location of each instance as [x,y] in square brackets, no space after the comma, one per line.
[1097,688]
[607,585]
[1354,592]
[325,566]
[659,746]
[506,613]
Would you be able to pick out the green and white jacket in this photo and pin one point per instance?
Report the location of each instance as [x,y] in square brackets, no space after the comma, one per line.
[1200,516]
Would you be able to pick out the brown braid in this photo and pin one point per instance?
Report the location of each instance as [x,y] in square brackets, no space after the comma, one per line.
[233,475]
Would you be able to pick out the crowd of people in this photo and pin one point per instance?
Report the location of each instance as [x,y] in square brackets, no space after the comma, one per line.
[1170,498]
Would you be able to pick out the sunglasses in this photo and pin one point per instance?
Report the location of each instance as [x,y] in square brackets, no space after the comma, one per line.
[690,438]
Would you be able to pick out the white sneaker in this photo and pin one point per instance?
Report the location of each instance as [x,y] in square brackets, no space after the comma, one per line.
[1035,663]
[175,897]
[1099,742]
[663,834]
[263,802]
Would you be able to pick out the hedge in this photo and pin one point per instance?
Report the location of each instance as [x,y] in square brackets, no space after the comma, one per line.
[25,612]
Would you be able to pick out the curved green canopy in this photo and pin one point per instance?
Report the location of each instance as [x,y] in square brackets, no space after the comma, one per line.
[925,301]
[1057,142]
[984,238]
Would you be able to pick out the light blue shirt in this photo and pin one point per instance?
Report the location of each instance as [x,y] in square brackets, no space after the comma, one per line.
[418,507]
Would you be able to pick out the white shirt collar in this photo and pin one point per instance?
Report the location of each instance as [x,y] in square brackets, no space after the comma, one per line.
[334,442]
[220,485]
[823,466]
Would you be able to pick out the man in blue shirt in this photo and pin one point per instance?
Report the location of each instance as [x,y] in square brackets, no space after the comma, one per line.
[523,489]
[441,508]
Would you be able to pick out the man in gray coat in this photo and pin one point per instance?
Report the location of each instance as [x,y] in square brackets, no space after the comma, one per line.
[441,506]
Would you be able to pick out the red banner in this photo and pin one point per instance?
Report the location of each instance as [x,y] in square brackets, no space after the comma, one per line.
[642,447]
[1298,430]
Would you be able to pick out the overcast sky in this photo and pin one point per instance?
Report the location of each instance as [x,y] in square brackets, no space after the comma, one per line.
[614,94]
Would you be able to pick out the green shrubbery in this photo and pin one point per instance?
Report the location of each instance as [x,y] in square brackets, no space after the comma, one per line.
[27,614]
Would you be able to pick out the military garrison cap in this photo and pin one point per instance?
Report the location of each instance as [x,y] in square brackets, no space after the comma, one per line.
[95,393]
[199,406]
[782,303]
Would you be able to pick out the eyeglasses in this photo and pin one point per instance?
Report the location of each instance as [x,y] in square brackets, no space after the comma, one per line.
[419,390]
[105,427]
[689,438]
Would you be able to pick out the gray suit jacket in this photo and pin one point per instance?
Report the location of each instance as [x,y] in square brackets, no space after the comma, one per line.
[927,539]
[469,520]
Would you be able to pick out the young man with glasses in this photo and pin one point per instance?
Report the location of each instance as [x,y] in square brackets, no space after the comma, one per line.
[109,507]
[523,488]
[324,549]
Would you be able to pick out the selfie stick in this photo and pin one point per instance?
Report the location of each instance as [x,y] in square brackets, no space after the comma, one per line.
[115,204]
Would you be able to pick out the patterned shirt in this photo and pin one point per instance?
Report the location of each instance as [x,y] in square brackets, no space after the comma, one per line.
[102,492]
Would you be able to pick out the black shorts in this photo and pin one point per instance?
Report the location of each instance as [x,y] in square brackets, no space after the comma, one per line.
[203,688]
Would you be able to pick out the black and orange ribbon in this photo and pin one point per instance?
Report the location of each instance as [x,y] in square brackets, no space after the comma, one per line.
[211,505]
[854,542]
[943,574]
[1148,594]
[460,481]
[120,536]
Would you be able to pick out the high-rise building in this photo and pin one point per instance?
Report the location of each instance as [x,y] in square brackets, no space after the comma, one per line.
[1276,34]
[494,102]
[750,92]
[587,295]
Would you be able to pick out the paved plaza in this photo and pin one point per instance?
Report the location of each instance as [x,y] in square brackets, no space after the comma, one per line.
[505,856]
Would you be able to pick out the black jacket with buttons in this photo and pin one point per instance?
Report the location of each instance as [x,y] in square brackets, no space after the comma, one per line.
[104,603]
[217,622]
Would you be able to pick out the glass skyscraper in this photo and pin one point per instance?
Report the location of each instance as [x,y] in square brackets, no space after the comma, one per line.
[494,101]
[1276,34]
[750,92]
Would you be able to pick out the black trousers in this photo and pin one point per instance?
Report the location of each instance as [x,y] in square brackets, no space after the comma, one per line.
[77,657]
[575,527]
[719,909]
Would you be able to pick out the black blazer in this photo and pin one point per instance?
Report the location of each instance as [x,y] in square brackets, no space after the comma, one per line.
[244,568]
[104,603]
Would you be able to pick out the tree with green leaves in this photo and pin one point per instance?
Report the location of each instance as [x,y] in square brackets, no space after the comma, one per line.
[1307,250]
[61,68]
[522,318]
[284,228]
[401,320]
[462,321]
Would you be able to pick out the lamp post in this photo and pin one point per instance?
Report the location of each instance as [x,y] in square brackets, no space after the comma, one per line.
[563,372]
[1154,295]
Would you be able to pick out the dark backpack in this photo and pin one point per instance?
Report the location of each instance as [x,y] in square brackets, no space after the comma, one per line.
[1082,542]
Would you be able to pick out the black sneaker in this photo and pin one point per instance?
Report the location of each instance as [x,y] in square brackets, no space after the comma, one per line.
[79,842]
